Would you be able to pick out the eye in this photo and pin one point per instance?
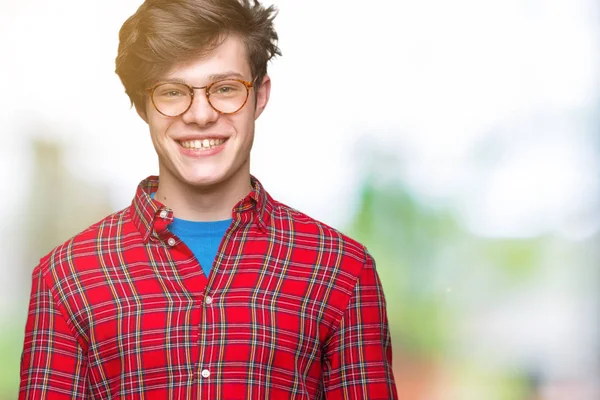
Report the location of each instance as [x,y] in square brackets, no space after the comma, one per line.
[171,93]
[225,89]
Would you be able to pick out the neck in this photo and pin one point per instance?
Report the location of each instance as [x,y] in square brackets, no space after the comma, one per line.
[202,203]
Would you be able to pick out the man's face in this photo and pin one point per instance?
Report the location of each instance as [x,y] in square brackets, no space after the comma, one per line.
[176,138]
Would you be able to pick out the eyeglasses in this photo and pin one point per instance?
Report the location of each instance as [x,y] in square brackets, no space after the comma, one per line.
[226,96]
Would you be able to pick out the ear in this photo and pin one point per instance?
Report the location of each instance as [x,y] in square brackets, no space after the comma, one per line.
[262,96]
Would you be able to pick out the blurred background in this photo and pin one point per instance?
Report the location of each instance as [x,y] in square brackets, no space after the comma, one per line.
[460,141]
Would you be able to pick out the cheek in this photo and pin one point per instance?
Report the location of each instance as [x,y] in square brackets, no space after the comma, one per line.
[158,133]
[245,125]
[158,126]
[154,132]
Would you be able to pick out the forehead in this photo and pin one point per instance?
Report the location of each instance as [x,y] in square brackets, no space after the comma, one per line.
[229,59]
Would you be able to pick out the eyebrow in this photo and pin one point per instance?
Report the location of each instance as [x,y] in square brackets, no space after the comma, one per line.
[211,78]
[225,75]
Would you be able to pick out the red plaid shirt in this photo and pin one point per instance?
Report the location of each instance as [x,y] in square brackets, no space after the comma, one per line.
[291,310]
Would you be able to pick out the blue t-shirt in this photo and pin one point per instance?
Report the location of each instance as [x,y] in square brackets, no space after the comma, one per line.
[203,238]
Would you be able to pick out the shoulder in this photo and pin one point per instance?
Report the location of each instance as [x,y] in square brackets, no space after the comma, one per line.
[303,230]
[330,259]
[82,251]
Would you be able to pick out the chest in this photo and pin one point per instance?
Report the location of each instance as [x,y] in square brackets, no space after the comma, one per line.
[259,295]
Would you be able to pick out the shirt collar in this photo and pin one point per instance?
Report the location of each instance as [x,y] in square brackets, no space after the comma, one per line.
[151,217]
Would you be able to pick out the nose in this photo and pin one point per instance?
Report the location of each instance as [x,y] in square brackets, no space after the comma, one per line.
[200,112]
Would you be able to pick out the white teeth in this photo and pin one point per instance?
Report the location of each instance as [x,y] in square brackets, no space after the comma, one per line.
[204,144]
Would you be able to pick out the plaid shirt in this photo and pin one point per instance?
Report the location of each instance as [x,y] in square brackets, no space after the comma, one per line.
[291,310]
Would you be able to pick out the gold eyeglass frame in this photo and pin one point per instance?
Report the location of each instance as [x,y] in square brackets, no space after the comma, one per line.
[248,85]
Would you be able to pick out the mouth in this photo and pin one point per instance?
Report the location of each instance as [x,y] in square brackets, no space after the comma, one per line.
[202,145]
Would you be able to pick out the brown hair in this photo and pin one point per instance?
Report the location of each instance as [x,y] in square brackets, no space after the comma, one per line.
[164,32]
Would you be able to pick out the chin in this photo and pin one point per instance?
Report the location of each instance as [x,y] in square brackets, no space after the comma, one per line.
[204,179]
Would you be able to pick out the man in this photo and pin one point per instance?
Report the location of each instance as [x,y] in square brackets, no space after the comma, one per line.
[205,287]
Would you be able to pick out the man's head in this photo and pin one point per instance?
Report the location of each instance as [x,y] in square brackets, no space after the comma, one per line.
[163,33]
[170,52]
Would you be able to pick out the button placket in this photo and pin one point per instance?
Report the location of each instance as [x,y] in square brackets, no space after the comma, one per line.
[208,300]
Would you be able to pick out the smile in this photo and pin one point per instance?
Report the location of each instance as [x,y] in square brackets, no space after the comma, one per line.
[204,144]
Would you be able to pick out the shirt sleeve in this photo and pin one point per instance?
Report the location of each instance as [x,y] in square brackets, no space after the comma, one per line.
[53,365]
[358,357]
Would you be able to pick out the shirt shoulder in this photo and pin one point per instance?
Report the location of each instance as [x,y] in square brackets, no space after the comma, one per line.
[321,255]
[304,230]
[80,252]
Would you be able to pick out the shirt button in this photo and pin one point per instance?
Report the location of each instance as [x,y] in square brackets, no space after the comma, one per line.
[163,214]
[171,242]
[208,300]
[205,373]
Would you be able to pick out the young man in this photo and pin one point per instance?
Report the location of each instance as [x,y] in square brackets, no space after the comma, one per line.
[205,287]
